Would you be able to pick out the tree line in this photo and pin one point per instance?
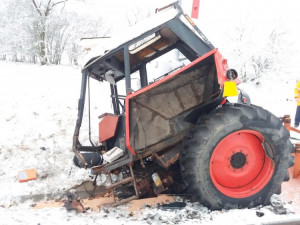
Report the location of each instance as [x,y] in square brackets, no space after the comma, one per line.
[43,31]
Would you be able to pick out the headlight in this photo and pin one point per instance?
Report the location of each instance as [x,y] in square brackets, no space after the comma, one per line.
[231,74]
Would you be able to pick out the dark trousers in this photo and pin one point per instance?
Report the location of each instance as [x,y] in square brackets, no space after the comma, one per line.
[297,117]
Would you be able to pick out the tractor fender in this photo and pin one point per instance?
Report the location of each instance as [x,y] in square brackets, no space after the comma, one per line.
[193,115]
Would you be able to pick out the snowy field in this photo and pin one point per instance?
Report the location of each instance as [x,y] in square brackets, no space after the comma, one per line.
[38,108]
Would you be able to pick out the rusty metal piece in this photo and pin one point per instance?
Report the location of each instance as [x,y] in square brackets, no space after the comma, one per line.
[80,157]
[74,205]
[168,181]
[297,161]
[141,163]
[165,160]
[134,181]
[158,190]
[119,183]
[143,187]
[287,123]
[284,117]
[112,186]
[294,129]
[168,158]
[116,172]
[125,181]
[99,169]
[124,201]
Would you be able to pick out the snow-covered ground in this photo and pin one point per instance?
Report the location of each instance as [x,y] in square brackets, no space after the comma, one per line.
[38,110]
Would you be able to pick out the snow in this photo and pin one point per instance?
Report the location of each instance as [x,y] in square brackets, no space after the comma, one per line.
[32,102]
[38,110]
[38,114]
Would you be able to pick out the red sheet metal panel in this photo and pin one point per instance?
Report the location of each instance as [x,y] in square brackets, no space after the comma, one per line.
[108,127]
[129,96]
[195,9]
[222,67]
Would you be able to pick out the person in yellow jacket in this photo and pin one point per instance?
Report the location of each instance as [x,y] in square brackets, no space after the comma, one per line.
[297,98]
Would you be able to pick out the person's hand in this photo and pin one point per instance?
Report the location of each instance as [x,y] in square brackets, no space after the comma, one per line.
[297,99]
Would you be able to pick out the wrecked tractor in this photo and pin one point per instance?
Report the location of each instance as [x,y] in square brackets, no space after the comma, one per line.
[177,131]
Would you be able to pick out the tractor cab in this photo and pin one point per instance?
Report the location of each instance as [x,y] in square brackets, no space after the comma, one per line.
[177,125]
[128,69]
[166,32]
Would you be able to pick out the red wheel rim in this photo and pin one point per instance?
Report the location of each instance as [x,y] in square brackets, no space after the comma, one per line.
[239,166]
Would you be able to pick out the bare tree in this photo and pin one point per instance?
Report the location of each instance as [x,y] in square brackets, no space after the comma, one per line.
[136,15]
[84,28]
[255,52]
[42,31]
[43,9]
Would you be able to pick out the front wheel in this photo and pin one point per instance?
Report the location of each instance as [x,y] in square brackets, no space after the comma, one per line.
[236,157]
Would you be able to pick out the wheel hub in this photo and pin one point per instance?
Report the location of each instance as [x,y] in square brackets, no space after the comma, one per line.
[239,166]
[238,160]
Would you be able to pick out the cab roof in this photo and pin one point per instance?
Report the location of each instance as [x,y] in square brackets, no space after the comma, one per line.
[146,41]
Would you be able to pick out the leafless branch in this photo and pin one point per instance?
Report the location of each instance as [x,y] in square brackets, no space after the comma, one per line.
[54,4]
[36,8]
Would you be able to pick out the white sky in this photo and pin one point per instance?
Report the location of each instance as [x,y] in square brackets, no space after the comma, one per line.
[213,10]
[258,12]
[217,18]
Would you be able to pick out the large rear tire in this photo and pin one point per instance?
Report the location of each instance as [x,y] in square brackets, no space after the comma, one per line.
[236,156]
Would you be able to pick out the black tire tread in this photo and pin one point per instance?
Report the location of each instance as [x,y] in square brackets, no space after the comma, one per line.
[209,127]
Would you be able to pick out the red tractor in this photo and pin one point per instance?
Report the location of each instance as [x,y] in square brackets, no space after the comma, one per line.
[179,133]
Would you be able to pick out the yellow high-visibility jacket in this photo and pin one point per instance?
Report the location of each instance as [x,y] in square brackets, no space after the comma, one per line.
[297,92]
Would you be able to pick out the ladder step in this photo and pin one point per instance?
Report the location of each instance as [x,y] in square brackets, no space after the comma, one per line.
[125,181]
[124,200]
